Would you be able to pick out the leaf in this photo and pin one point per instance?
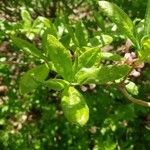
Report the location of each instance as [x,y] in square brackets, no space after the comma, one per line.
[100,41]
[28,47]
[33,78]
[88,58]
[81,34]
[60,57]
[132,88]
[74,106]
[120,18]
[99,20]
[44,23]
[55,84]
[26,19]
[102,75]
[145,52]
[65,40]
[147,20]
[110,56]
[85,74]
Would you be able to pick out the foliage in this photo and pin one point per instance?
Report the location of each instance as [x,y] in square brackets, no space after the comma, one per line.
[64,81]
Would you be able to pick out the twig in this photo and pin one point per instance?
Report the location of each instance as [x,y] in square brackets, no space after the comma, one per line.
[132,99]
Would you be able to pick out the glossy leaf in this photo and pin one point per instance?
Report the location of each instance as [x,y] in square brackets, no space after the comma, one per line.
[74,106]
[33,78]
[60,57]
[119,17]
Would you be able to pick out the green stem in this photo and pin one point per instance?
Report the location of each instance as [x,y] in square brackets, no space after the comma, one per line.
[132,99]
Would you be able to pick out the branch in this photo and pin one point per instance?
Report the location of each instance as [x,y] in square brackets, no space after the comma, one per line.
[132,99]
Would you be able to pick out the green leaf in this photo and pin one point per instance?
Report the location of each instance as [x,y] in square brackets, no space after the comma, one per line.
[85,74]
[132,88]
[26,19]
[60,57]
[120,18]
[88,58]
[74,106]
[100,41]
[110,56]
[147,20]
[81,34]
[33,78]
[44,23]
[99,20]
[55,84]
[65,40]
[102,75]
[28,47]
[145,52]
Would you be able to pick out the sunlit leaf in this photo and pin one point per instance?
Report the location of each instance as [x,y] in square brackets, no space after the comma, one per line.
[60,57]
[120,18]
[74,106]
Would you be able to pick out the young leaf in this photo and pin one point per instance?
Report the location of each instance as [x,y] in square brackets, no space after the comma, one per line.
[74,106]
[33,78]
[81,34]
[28,47]
[55,84]
[147,20]
[119,17]
[132,88]
[60,57]
[26,19]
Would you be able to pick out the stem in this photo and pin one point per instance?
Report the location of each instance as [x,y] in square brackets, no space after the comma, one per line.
[132,99]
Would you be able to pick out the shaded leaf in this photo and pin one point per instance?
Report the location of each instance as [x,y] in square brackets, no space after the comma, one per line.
[33,78]
[55,84]
[28,47]
[81,34]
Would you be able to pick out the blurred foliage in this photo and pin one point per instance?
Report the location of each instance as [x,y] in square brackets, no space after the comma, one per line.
[36,121]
